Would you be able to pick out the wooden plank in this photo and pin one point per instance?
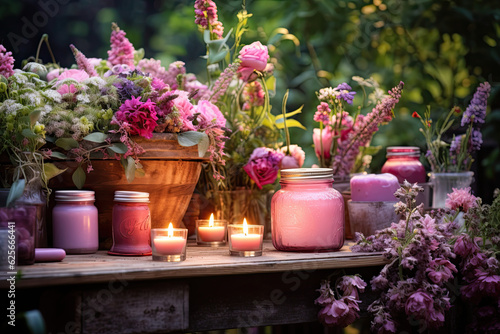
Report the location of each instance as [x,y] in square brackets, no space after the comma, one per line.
[201,261]
[145,308]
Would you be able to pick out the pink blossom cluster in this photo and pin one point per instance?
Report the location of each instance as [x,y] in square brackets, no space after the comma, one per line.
[122,51]
[322,114]
[343,311]
[206,17]
[82,62]
[6,62]
[222,83]
[253,95]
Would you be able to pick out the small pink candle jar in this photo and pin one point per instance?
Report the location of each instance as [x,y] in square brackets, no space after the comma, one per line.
[374,188]
[404,163]
[211,232]
[169,244]
[75,222]
[19,223]
[307,214]
[245,240]
[131,224]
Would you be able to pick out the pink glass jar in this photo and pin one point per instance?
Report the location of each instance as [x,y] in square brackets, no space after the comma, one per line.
[307,213]
[131,224]
[74,222]
[404,163]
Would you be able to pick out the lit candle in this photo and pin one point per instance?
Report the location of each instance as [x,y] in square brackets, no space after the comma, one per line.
[374,188]
[169,244]
[212,233]
[243,242]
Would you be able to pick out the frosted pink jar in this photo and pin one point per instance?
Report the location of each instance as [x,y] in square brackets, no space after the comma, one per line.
[74,222]
[307,214]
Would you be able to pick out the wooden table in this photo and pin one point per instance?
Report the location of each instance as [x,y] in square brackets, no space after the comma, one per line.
[99,293]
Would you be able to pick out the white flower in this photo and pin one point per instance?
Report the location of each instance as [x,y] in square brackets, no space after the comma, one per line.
[52,95]
[95,81]
[83,98]
[10,107]
[329,93]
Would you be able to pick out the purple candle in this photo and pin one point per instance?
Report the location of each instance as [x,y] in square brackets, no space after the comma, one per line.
[374,188]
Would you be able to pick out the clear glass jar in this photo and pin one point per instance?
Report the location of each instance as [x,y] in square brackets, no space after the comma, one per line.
[131,224]
[74,222]
[307,213]
[404,163]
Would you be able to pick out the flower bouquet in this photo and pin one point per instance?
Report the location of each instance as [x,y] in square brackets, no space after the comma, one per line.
[451,161]
[342,141]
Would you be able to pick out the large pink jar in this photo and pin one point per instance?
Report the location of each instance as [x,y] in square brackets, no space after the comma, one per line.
[74,222]
[307,213]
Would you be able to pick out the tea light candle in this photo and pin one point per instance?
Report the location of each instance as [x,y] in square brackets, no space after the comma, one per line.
[169,244]
[374,188]
[211,232]
[245,240]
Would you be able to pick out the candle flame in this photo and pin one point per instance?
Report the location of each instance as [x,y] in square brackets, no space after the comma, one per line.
[170,230]
[211,222]
[245,226]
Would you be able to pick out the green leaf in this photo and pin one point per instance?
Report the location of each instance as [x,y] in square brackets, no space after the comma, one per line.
[28,133]
[34,115]
[291,123]
[203,145]
[52,171]
[119,148]
[96,137]
[139,172]
[290,114]
[16,191]
[190,138]
[130,169]
[79,177]
[217,49]
[58,155]
[66,143]
[50,139]
[271,83]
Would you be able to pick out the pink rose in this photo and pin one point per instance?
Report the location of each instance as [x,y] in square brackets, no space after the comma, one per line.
[326,138]
[263,166]
[295,159]
[185,108]
[78,75]
[253,57]
[209,115]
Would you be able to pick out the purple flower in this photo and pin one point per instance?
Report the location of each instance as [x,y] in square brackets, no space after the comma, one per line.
[440,270]
[351,286]
[340,313]
[6,62]
[127,89]
[139,116]
[476,139]
[464,246]
[326,294]
[476,111]
[344,93]
[263,166]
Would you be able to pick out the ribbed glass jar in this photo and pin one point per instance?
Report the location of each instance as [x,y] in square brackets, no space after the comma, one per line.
[307,213]
[404,163]
[131,224]
[74,222]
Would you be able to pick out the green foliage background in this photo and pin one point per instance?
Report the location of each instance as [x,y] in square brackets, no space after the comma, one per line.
[441,49]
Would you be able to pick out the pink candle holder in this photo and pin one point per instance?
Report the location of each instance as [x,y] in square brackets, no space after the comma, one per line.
[245,240]
[169,244]
[211,232]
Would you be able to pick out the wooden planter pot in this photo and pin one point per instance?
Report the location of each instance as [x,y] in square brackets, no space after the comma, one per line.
[171,174]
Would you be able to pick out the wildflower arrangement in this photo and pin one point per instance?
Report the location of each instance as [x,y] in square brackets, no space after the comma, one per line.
[457,155]
[342,141]
[432,260]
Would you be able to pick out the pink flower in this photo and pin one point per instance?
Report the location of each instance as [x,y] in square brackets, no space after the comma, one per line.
[78,75]
[53,74]
[263,166]
[211,19]
[253,57]
[122,51]
[440,270]
[295,159]
[253,95]
[461,199]
[82,62]
[140,117]
[340,313]
[185,109]
[464,246]
[418,304]
[209,115]
[6,62]
[326,138]
[323,113]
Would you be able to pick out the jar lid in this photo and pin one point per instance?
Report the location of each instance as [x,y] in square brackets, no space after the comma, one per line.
[398,151]
[131,196]
[307,174]
[75,195]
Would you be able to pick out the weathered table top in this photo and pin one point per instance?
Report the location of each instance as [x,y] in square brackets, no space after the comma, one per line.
[200,261]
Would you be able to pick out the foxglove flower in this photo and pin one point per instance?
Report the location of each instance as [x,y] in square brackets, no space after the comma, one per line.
[82,62]
[122,51]
[209,20]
